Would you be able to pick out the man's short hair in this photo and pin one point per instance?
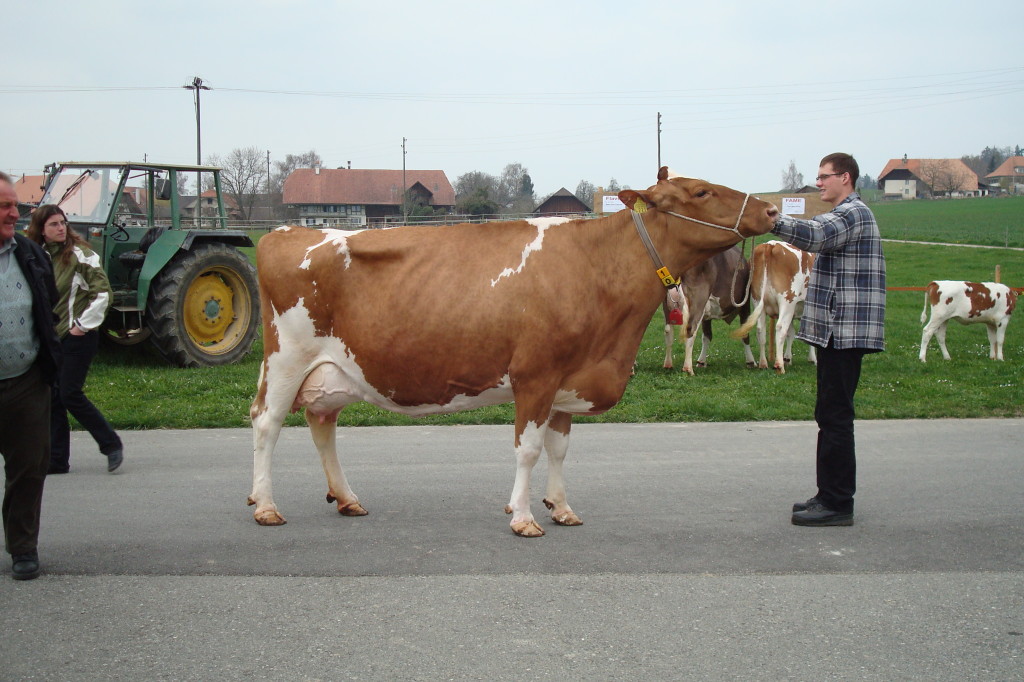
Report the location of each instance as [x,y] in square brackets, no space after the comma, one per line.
[843,163]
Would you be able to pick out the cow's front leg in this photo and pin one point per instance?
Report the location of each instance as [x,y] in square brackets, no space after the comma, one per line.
[995,351]
[338,490]
[556,443]
[528,446]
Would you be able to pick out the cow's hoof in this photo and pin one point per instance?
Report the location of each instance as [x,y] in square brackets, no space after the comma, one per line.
[353,509]
[527,529]
[565,517]
[269,517]
[350,509]
[701,364]
[751,365]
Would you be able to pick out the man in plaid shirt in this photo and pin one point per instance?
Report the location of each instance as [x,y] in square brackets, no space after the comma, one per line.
[843,318]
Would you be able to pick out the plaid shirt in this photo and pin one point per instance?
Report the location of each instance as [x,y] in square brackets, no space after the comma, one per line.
[846,294]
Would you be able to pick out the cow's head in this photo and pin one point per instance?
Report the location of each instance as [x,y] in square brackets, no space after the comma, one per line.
[718,212]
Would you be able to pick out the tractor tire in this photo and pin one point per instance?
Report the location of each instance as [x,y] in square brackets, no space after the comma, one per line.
[204,307]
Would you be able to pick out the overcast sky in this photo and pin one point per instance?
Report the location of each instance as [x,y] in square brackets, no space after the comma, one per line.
[570,90]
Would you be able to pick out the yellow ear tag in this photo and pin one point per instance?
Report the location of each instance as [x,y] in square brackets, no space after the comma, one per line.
[640,206]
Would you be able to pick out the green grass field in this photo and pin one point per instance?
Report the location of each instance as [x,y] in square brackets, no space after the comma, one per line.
[137,390]
[990,221]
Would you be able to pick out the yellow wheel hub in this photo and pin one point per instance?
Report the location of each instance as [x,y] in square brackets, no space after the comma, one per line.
[209,312]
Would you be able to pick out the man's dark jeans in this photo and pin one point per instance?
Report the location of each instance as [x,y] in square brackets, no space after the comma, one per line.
[838,375]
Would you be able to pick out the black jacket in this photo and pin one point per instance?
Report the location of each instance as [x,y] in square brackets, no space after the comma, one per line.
[36,267]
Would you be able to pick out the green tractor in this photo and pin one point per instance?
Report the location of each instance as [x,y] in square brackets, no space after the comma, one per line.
[178,277]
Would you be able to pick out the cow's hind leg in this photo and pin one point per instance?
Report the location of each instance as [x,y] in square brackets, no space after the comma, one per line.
[705,344]
[926,336]
[762,323]
[940,336]
[324,433]
[266,429]
[556,443]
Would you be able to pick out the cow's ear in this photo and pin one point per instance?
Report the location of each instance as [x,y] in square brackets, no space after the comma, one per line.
[663,173]
[636,201]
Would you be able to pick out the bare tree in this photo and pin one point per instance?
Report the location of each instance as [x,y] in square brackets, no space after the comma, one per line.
[585,193]
[282,169]
[792,179]
[515,189]
[944,176]
[242,177]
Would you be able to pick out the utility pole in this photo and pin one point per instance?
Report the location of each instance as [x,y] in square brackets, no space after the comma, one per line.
[659,140]
[405,213]
[268,175]
[196,85]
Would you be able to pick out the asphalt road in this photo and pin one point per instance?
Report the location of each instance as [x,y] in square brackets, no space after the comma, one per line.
[686,567]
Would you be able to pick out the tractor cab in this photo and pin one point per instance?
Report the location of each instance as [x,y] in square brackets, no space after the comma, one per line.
[173,264]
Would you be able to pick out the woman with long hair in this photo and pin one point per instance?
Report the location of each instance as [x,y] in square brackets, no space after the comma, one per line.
[84,297]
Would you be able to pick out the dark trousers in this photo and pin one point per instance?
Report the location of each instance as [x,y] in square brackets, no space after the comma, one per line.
[68,397]
[25,445]
[838,375]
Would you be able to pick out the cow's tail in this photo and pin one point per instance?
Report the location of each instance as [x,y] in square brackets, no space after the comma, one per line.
[924,313]
[751,322]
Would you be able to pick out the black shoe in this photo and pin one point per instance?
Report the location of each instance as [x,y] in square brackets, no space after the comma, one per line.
[802,506]
[818,514]
[25,566]
[57,470]
[114,459]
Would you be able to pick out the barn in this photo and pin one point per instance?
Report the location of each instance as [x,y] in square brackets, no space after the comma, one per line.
[562,202]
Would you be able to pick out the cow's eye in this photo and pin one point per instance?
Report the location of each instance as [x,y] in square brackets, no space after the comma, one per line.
[701,193]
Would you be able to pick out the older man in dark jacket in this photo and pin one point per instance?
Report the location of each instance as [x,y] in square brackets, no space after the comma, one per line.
[29,358]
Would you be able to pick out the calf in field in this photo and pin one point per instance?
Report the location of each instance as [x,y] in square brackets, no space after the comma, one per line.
[967,302]
[424,320]
[711,290]
[779,274]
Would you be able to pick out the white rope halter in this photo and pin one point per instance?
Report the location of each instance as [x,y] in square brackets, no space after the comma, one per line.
[735,228]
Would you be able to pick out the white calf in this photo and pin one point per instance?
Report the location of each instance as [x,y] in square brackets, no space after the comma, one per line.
[967,303]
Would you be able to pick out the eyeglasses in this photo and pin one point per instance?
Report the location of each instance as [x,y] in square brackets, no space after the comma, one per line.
[827,175]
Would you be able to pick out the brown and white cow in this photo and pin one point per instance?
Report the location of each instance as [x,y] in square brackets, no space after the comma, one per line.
[967,302]
[423,320]
[710,291]
[779,274]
